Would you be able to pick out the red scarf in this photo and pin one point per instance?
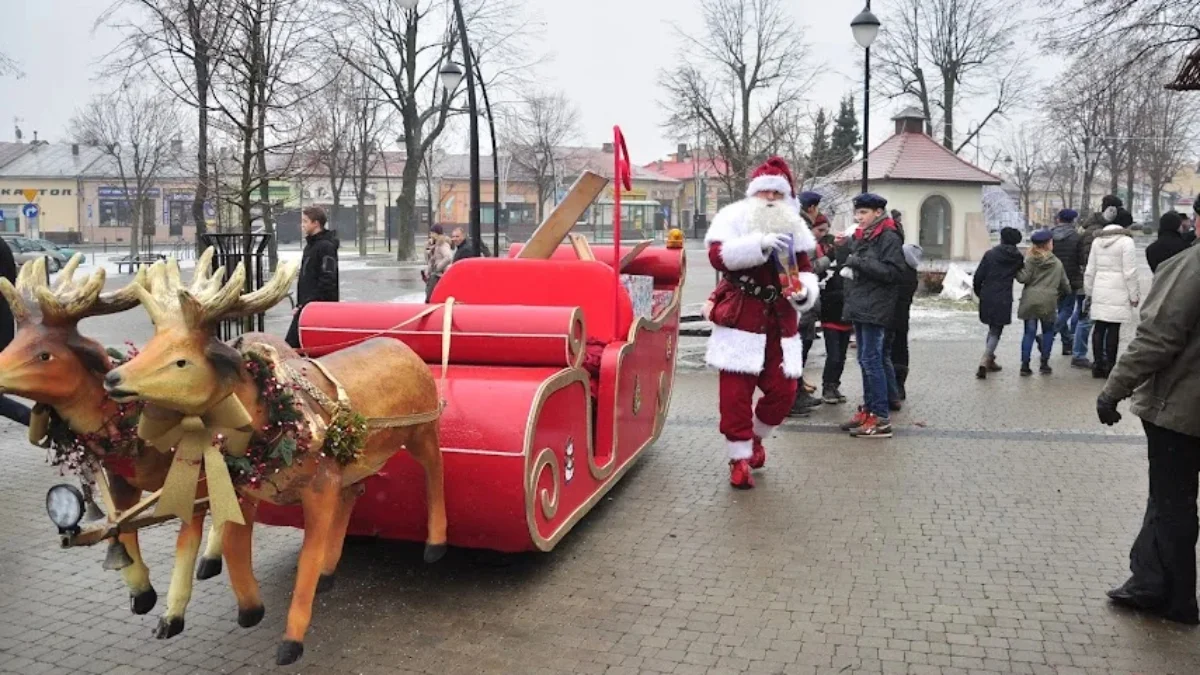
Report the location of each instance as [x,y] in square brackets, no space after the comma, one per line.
[884,223]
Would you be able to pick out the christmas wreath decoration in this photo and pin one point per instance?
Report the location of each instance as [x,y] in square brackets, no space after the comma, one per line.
[286,436]
[116,439]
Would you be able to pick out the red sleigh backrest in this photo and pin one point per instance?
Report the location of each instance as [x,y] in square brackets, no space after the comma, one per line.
[664,264]
[542,283]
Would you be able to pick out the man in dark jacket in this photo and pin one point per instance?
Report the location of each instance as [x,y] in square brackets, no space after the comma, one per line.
[810,211]
[1066,249]
[832,253]
[465,248]
[8,269]
[318,280]
[913,254]
[1169,243]
[874,272]
[1161,371]
[1091,227]
[993,283]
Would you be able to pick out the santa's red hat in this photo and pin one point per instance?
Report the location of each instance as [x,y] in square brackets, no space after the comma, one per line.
[774,175]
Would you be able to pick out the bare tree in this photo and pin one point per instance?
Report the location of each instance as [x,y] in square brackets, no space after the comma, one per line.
[9,66]
[792,129]
[1170,128]
[966,46]
[1076,116]
[536,131]
[1026,148]
[746,66]
[176,42]
[370,121]
[1155,32]
[135,129]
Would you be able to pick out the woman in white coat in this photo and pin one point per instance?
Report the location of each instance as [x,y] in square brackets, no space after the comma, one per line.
[1111,283]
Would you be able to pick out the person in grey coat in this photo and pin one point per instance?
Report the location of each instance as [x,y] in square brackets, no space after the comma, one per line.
[1161,372]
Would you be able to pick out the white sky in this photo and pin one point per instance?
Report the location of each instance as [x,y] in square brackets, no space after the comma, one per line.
[606,55]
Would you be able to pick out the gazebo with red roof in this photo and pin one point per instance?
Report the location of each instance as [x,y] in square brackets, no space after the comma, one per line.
[938,192]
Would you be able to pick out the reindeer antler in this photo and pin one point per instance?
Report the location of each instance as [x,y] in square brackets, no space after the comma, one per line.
[69,300]
[210,298]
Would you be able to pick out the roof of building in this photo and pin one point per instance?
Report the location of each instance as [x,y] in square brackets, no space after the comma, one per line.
[50,161]
[685,170]
[911,156]
[570,160]
[11,151]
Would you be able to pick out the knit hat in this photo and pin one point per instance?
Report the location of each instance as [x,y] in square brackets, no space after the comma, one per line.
[1010,235]
[437,229]
[870,200]
[1111,200]
[913,255]
[809,198]
[1171,220]
[774,175]
[1067,215]
[1041,236]
[1124,218]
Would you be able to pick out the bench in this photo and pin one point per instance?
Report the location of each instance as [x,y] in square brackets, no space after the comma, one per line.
[136,263]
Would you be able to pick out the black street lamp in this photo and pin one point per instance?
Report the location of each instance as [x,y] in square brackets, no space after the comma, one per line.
[468,66]
[866,29]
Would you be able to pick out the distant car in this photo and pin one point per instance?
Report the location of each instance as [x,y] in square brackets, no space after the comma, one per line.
[50,246]
[26,250]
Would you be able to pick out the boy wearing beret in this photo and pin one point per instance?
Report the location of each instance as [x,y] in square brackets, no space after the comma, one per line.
[1045,286]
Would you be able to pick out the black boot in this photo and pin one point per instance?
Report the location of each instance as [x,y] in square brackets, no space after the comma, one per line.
[1045,369]
[901,378]
[1025,369]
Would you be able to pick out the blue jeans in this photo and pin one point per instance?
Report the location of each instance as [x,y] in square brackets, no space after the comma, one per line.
[1068,317]
[1031,330]
[871,338]
[1082,330]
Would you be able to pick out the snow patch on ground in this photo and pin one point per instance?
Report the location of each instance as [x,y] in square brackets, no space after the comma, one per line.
[109,261]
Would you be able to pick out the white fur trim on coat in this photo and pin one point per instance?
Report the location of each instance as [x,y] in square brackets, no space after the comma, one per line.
[739,449]
[736,351]
[793,357]
[762,429]
[812,284]
[743,253]
[733,222]
[768,182]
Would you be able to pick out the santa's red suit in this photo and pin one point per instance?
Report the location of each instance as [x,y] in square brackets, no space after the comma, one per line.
[755,342]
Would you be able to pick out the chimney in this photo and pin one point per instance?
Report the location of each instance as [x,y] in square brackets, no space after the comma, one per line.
[177,147]
[681,152]
[75,149]
[607,147]
[910,121]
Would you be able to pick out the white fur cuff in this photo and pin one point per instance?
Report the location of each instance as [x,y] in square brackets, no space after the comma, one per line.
[740,449]
[762,429]
[773,183]
[812,284]
[743,253]
[793,357]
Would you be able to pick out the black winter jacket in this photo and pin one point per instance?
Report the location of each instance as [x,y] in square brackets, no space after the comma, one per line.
[8,270]
[828,268]
[908,290]
[994,283]
[1169,243]
[878,263]
[318,269]
[1066,249]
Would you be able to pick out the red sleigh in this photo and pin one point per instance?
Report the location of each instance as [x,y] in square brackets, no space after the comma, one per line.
[556,384]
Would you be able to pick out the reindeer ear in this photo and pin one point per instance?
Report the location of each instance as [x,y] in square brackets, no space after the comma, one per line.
[226,360]
[90,353]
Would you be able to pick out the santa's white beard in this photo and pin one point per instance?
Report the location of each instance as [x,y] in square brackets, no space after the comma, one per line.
[773,217]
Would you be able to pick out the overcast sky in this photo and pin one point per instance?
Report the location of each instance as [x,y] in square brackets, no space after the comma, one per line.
[605,55]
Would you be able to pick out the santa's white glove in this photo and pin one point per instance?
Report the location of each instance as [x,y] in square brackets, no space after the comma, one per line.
[847,273]
[774,242]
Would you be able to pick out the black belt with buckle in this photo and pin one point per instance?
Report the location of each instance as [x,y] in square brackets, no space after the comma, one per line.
[768,293]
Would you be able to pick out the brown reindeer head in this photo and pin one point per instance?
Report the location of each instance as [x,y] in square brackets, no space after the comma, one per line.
[48,360]
[184,367]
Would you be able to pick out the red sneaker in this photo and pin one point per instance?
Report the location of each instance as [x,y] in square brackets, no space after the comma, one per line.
[859,419]
[739,474]
[759,458]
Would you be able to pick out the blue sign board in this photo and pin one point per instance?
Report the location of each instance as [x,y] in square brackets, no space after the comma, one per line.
[30,211]
[1,214]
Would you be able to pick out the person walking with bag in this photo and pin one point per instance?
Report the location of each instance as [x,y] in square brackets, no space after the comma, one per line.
[1111,281]
[755,343]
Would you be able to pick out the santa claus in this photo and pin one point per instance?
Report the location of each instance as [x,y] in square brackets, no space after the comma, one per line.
[755,341]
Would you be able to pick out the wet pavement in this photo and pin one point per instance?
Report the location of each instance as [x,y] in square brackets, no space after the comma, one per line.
[980,540]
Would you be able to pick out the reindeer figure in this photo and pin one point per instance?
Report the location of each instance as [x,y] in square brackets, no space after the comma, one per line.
[49,362]
[184,368]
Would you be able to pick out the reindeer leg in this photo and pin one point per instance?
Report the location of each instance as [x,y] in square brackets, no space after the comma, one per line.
[424,448]
[337,537]
[238,540]
[320,501]
[142,596]
[179,593]
[210,562]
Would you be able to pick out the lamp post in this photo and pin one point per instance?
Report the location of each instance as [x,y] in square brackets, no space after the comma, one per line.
[866,28]
[469,68]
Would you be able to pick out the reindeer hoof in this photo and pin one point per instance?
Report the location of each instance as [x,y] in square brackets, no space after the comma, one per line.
[142,603]
[249,618]
[208,568]
[168,628]
[325,583]
[289,652]
[434,552]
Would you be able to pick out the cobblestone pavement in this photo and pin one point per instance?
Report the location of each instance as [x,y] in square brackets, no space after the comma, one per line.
[980,540]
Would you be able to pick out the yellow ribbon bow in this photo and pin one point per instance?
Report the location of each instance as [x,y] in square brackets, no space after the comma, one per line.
[226,426]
